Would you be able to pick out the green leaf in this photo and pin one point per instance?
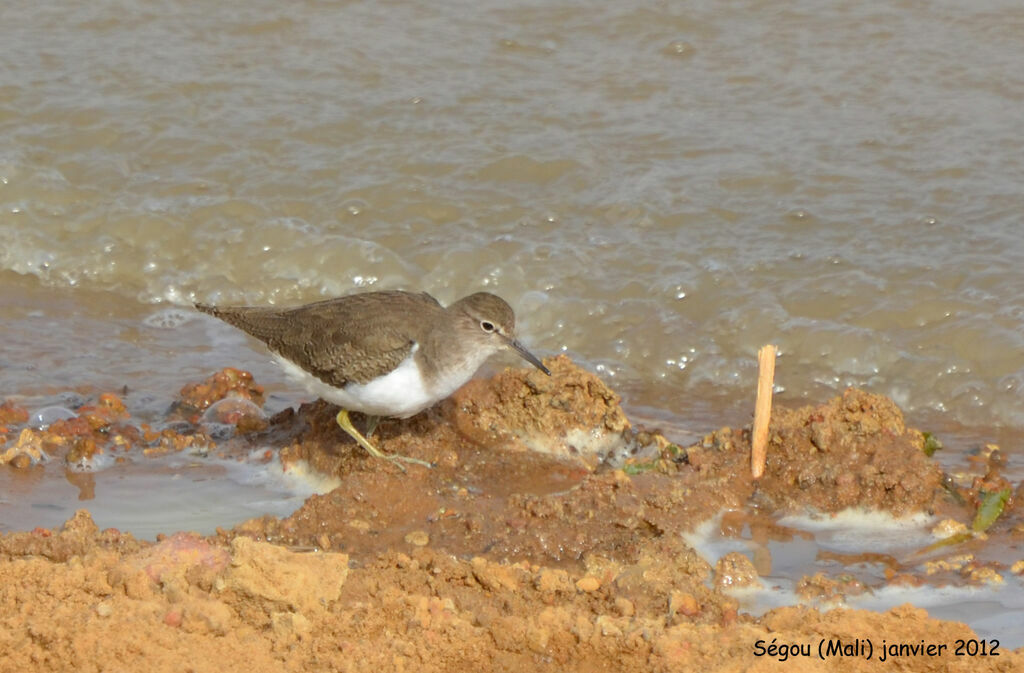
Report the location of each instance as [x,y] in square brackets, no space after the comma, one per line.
[931,443]
[992,504]
[947,542]
[639,468]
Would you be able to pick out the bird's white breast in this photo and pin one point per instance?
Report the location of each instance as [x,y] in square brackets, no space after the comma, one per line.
[400,393]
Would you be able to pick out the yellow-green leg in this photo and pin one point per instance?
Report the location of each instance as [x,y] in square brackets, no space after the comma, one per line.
[371,425]
[345,423]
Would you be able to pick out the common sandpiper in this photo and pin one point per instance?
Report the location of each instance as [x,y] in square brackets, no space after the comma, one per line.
[390,353]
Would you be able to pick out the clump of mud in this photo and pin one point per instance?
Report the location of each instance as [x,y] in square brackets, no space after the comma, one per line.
[853,451]
[570,413]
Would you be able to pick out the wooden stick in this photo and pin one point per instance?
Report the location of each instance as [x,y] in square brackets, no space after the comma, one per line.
[762,409]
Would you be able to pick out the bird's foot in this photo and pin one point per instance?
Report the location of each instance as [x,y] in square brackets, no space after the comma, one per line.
[345,423]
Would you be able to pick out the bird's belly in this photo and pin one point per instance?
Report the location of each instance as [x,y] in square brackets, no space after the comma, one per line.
[398,394]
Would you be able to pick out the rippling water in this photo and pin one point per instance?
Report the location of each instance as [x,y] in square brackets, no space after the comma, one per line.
[658,188]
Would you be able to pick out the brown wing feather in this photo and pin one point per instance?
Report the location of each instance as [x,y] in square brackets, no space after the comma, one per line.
[334,339]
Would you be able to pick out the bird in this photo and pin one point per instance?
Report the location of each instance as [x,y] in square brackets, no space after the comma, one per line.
[387,353]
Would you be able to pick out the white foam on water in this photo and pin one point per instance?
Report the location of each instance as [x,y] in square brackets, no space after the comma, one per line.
[169,318]
[300,477]
[847,530]
[97,462]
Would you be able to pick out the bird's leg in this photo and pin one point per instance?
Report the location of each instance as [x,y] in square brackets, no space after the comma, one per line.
[345,423]
[371,424]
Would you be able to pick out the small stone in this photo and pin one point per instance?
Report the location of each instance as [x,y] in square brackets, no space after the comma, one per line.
[948,528]
[494,576]
[954,563]
[682,603]
[21,461]
[550,580]
[588,583]
[418,538]
[104,609]
[266,574]
[173,618]
[608,626]
[29,444]
[10,413]
[625,606]
[986,575]
[289,624]
[735,570]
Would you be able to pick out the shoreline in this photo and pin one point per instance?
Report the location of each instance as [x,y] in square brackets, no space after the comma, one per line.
[522,549]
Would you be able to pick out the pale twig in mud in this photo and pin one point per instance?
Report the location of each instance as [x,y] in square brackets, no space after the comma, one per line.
[762,409]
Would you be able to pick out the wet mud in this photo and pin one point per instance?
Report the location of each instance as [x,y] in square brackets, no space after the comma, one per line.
[549,537]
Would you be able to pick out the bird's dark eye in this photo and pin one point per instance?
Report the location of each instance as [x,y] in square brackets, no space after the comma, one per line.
[487,326]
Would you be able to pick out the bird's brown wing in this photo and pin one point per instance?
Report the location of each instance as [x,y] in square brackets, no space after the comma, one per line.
[348,339]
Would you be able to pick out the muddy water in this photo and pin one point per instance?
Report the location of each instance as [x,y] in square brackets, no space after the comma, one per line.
[658,189]
[150,497]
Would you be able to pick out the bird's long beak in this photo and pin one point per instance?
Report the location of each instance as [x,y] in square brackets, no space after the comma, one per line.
[527,355]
